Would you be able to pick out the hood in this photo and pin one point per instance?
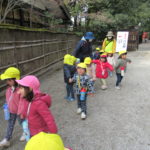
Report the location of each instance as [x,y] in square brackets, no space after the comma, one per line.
[43,97]
[30,81]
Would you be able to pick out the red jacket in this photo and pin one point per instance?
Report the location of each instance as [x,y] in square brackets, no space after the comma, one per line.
[102,69]
[40,118]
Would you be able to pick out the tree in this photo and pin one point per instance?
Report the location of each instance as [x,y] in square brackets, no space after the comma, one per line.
[6,6]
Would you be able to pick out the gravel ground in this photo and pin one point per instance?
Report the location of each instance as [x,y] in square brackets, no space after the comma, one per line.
[117,119]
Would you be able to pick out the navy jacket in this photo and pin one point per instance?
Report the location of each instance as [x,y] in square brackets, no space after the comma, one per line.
[83,49]
[69,72]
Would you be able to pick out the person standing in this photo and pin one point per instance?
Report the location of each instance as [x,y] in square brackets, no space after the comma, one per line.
[84,47]
[109,44]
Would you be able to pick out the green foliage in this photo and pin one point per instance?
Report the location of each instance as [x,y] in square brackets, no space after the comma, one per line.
[104,15]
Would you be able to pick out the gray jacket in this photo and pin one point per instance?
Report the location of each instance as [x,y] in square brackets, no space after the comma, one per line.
[121,63]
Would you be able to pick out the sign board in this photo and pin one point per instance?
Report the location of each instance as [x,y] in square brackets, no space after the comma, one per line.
[122,41]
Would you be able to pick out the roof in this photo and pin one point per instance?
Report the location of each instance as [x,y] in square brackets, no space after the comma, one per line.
[55,7]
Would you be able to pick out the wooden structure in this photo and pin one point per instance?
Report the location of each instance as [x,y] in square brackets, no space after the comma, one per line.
[33,52]
[35,13]
[133,41]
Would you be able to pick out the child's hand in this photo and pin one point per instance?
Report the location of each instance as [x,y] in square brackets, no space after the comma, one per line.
[70,80]
[91,94]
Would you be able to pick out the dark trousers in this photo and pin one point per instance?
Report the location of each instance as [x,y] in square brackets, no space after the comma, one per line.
[82,104]
[11,124]
[70,91]
[119,78]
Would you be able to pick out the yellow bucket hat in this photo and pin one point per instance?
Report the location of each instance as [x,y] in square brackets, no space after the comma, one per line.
[11,73]
[72,60]
[82,65]
[97,49]
[104,55]
[101,51]
[122,52]
[45,141]
[87,60]
[67,58]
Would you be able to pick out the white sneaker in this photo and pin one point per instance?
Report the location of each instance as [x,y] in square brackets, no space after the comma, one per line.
[79,110]
[4,143]
[23,137]
[104,87]
[83,115]
[118,88]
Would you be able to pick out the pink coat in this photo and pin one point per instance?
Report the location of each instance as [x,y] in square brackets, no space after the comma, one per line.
[13,100]
[102,69]
[40,118]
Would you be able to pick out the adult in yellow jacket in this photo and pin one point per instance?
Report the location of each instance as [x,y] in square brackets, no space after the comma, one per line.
[109,44]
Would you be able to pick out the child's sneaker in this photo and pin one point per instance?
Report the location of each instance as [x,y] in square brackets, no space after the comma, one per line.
[67,98]
[71,99]
[118,87]
[79,110]
[23,137]
[83,116]
[4,143]
[104,87]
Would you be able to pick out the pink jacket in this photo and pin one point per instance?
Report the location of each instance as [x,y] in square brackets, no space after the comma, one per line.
[13,100]
[40,118]
[102,69]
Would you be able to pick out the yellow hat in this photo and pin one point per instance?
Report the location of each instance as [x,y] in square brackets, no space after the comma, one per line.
[101,51]
[122,52]
[82,65]
[98,49]
[87,60]
[110,52]
[10,73]
[45,141]
[104,55]
[67,58]
[72,60]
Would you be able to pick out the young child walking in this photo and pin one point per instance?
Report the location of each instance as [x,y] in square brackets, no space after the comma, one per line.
[121,67]
[13,101]
[111,60]
[102,67]
[96,54]
[69,71]
[90,70]
[37,112]
[83,87]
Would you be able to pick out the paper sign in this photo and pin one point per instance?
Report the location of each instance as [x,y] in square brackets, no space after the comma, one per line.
[122,41]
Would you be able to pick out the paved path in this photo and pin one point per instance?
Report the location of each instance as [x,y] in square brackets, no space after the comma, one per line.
[117,120]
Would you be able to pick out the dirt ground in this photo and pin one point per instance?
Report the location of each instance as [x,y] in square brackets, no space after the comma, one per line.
[117,119]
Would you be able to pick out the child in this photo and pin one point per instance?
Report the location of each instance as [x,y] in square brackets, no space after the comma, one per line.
[13,101]
[45,141]
[69,71]
[83,85]
[90,70]
[120,67]
[96,55]
[111,60]
[102,67]
[40,118]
